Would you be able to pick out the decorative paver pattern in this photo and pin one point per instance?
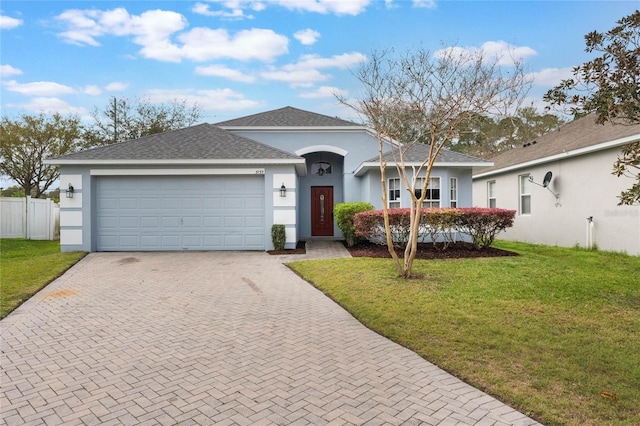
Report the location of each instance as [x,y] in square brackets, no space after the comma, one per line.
[214,338]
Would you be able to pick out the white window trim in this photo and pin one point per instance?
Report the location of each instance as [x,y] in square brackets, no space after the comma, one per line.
[521,179]
[491,195]
[398,199]
[453,192]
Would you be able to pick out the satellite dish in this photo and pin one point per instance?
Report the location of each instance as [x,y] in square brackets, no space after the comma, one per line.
[547,179]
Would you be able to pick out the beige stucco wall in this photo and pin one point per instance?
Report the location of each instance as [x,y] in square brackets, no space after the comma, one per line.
[586,188]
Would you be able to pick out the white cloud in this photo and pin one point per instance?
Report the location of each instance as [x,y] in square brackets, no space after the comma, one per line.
[306,72]
[210,100]
[116,86]
[225,72]
[506,54]
[38,88]
[49,105]
[9,23]
[154,29]
[8,71]
[323,92]
[296,77]
[427,4]
[307,37]
[351,7]
[236,7]
[202,44]
[550,77]
[233,13]
[92,90]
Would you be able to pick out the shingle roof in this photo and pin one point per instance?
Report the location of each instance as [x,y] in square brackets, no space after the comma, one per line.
[418,152]
[200,142]
[286,117]
[576,135]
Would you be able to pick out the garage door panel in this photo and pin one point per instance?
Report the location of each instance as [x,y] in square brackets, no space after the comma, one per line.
[180,213]
[170,242]
[149,241]
[254,222]
[212,203]
[192,203]
[150,203]
[210,222]
[233,203]
[213,241]
[171,203]
[152,222]
[171,223]
[254,241]
[128,222]
[254,203]
[233,221]
[192,222]
[128,203]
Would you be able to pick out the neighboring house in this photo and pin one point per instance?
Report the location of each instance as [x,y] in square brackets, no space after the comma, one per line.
[223,186]
[580,205]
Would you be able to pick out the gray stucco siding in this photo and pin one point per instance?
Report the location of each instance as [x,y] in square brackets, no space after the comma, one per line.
[78,215]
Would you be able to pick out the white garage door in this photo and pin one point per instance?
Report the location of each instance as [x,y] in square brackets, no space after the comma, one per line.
[136,213]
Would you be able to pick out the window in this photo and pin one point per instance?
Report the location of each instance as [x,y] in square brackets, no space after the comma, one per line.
[525,195]
[433,192]
[394,193]
[491,191]
[321,168]
[453,196]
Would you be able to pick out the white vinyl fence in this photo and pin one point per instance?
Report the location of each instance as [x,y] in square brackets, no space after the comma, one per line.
[30,218]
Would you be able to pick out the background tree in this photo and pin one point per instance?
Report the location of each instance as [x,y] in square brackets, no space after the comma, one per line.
[123,119]
[417,97]
[609,85]
[485,136]
[26,142]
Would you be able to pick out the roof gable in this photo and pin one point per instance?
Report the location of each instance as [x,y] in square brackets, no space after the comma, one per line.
[577,136]
[200,142]
[287,117]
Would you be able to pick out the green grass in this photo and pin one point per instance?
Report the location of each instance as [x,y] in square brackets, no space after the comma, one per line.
[26,266]
[554,332]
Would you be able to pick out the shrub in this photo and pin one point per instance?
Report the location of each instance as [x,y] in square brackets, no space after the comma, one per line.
[345,215]
[370,225]
[440,224]
[482,225]
[278,237]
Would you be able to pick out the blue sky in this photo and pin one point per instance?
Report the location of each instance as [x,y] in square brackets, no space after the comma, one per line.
[239,57]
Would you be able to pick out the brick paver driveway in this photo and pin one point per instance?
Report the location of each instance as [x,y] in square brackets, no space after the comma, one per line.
[213,338]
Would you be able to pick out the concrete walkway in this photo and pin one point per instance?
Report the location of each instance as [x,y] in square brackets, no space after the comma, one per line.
[214,338]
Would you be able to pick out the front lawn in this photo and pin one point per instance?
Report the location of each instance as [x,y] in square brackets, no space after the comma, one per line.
[553,332]
[27,266]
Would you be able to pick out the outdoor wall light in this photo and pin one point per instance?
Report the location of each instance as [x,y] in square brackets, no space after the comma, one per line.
[70,191]
[283,190]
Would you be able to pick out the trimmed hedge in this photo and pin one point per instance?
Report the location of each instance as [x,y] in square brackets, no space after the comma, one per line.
[480,224]
[278,237]
[345,215]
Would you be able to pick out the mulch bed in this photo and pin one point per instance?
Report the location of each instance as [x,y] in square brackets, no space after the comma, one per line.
[300,249]
[428,251]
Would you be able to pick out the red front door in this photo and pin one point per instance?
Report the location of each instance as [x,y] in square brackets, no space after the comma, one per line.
[322,211]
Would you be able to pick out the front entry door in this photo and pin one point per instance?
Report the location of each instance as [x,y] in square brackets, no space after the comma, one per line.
[322,211]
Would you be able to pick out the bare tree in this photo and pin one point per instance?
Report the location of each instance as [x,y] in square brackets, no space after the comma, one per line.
[416,97]
[123,119]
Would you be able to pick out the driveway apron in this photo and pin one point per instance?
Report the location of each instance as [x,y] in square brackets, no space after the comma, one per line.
[214,338]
